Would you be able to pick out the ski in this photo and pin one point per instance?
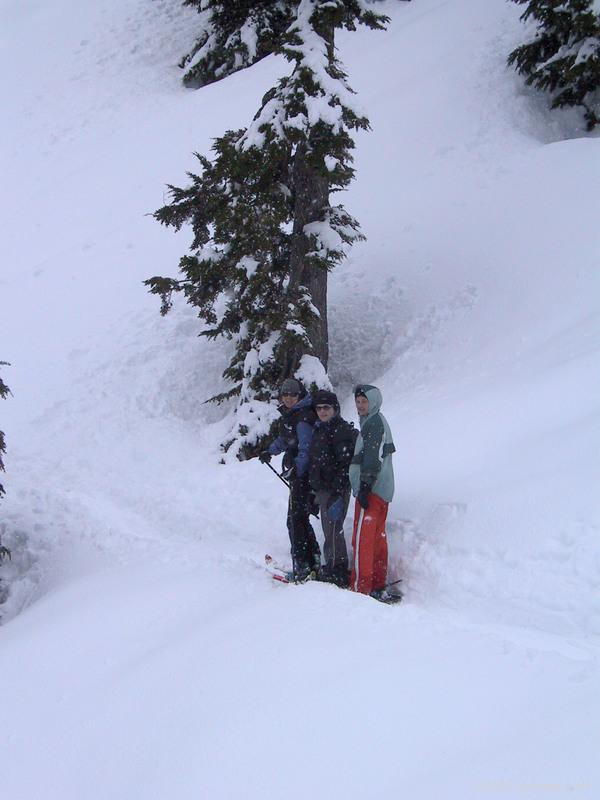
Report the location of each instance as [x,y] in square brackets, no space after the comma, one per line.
[272,564]
[277,571]
[283,574]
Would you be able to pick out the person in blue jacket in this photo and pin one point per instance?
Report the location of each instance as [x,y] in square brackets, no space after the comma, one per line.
[295,433]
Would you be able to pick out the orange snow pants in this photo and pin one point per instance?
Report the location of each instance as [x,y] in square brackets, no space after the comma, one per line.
[369,546]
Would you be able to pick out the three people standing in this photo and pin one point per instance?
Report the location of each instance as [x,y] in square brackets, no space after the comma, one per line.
[326,456]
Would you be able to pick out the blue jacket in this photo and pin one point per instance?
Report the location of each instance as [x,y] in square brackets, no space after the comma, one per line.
[295,434]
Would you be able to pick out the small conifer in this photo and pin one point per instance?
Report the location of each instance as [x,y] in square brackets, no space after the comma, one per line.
[564,57]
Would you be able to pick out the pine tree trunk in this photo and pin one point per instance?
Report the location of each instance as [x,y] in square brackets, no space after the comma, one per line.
[311,197]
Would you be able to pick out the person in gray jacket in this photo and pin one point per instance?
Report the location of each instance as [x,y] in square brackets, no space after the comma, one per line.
[372,482]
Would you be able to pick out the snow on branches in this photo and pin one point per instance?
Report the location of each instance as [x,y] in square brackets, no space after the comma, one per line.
[233,36]
[564,57]
[265,232]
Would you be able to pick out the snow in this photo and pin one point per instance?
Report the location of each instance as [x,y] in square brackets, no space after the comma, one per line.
[145,652]
[326,237]
[311,372]
[249,37]
[249,265]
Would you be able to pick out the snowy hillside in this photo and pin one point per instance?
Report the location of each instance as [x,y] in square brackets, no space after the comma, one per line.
[145,652]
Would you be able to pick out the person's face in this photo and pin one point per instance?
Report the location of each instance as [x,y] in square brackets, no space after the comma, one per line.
[362,405]
[289,400]
[325,412]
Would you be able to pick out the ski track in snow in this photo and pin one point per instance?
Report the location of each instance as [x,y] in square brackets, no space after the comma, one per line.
[146,645]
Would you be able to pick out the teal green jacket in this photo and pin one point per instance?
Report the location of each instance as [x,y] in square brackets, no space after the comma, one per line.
[372,462]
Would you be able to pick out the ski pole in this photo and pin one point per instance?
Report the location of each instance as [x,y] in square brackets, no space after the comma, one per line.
[281,478]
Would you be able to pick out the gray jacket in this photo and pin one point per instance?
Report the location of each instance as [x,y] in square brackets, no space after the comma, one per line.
[372,461]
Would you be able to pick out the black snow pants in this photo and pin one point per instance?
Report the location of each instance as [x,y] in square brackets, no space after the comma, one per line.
[335,551]
[306,555]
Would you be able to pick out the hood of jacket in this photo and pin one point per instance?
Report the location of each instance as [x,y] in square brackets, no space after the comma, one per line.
[374,397]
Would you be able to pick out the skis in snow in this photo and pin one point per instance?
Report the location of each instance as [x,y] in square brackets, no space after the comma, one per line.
[390,594]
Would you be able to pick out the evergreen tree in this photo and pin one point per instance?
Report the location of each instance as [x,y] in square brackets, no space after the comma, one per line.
[564,57]
[265,231]
[233,36]
[4,391]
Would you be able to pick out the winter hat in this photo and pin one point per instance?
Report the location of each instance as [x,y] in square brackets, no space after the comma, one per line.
[290,386]
[359,391]
[325,398]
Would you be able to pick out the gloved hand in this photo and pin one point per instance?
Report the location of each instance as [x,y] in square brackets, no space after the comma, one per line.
[264,457]
[289,474]
[335,508]
[363,495]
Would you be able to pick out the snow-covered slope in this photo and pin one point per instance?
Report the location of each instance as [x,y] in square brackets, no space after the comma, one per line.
[153,656]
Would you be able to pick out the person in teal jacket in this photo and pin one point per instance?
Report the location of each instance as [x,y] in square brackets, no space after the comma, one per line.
[372,482]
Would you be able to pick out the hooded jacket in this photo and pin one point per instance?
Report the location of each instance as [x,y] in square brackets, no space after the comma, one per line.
[372,461]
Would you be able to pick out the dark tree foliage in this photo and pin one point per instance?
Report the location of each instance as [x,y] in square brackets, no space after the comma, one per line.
[564,57]
[265,231]
[234,35]
[238,274]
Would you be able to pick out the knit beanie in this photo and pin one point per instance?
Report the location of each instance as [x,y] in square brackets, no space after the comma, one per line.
[290,386]
[325,398]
